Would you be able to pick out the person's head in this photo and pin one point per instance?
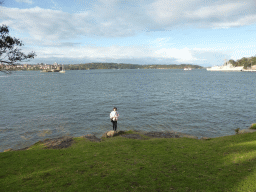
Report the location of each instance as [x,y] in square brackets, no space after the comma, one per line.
[115,109]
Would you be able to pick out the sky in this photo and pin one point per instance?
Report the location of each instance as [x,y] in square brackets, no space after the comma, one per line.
[200,32]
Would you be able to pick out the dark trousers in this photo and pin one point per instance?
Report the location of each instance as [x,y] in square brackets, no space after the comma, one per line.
[114,125]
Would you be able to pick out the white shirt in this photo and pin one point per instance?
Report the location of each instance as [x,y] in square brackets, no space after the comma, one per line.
[114,115]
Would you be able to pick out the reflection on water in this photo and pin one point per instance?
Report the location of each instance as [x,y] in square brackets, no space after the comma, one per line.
[36,105]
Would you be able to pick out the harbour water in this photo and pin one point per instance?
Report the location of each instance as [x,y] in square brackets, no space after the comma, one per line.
[35,106]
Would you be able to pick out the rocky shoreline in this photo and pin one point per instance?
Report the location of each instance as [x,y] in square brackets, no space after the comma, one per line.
[67,141]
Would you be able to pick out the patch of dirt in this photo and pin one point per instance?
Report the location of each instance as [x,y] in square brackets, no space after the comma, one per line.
[92,138]
[152,134]
[58,143]
[155,134]
[132,136]
[19,149]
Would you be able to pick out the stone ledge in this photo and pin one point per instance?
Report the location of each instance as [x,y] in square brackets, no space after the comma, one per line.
[246,131]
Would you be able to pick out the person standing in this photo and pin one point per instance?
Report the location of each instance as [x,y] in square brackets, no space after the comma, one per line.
[114,117]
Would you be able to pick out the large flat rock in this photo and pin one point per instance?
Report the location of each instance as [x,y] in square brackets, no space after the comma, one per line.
[246,131]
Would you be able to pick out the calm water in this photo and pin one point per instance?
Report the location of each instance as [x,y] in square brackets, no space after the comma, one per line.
[35,105]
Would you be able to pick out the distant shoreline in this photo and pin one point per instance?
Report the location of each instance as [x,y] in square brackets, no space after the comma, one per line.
[90,66]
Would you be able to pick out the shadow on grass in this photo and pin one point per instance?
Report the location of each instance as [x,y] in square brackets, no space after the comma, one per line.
[236,167]
[125,164]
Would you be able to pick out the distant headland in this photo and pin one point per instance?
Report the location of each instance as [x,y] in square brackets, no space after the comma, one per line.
[90,66]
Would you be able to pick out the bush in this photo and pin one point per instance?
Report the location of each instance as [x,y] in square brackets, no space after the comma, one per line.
[253,126]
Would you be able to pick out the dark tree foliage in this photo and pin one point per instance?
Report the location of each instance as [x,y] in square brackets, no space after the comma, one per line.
[10,53]
[233,62]
[126,66]
[246,62]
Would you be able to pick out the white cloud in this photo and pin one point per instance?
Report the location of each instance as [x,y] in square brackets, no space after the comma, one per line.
[198,13]
[225,10]
[130,54]
[57,24]
[115,52]
[41,23]
[120,53]
[119,19]
[181,55]
[24,1]
[247,20]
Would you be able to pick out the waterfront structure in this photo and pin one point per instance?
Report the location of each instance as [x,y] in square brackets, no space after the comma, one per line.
[62,70]
[226,67]
[51,68]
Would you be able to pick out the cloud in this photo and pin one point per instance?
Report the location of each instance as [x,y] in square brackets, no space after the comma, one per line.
[129,54]
[55,24]
[210,57]
[128,18]
[198,13]
[55,31]
[24,1]
[41,23]
[181,55]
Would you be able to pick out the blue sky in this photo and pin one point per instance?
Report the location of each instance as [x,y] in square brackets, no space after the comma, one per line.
[203,32]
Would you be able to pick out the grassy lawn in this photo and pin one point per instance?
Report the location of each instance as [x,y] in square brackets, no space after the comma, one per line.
[121,164]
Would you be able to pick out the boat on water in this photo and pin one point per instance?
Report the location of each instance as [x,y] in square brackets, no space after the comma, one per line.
[62,70]
[226,67]
[187,69]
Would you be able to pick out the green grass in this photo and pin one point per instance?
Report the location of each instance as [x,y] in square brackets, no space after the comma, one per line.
[120,164]
[253,126]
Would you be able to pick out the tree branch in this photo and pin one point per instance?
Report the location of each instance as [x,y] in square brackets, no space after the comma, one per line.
[10,54]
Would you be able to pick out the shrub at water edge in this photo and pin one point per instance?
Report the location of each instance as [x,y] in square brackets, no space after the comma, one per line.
[253,126]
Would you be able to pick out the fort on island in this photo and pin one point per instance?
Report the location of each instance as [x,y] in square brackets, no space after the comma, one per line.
[52,68]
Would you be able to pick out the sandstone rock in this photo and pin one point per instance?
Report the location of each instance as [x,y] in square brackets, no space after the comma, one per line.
[191,136]
[111,133]
[6,150]
[205,138]
[186,135]
[246,131]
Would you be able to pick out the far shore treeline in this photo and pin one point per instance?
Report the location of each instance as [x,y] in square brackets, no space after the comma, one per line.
[246,62]
[126,66]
